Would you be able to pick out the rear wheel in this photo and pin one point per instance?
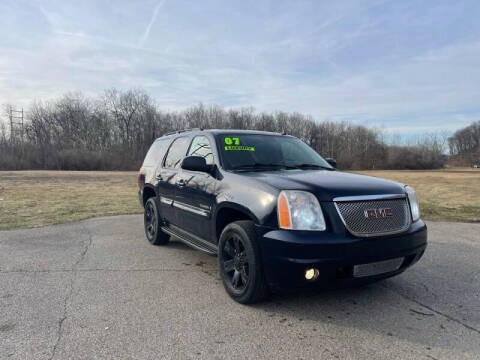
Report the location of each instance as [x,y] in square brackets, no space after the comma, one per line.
[240,263]
[151,221]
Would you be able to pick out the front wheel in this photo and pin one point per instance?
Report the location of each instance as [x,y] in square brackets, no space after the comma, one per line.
[151,221]
[240,263]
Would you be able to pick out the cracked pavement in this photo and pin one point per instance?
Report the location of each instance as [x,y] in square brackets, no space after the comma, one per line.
[97,290]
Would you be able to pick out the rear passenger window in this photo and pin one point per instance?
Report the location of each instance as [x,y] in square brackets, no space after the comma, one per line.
[176,153]
[201,147]
[155,153]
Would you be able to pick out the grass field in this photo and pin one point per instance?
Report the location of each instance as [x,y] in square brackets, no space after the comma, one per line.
[452,194]
[38,198]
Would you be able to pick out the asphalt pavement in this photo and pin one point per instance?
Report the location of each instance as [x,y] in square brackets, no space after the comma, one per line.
[96,289]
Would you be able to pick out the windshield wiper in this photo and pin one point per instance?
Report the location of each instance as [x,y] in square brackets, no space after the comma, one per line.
[310,166]
[260,166]
[270,166]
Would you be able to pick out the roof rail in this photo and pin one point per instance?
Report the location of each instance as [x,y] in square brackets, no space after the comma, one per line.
[181,131]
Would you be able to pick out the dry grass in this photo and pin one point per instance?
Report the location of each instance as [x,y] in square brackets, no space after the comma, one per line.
[452,194]
[39,198]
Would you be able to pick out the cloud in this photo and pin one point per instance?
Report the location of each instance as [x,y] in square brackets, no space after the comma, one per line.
[405,66]
[146,33]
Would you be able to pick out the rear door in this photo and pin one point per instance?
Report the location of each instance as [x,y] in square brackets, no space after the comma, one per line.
[167,177]
[195,194]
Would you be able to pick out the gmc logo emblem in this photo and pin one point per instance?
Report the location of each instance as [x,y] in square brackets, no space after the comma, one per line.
[378,213]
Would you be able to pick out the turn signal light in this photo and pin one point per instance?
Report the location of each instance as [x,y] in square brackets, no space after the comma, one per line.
[284,212]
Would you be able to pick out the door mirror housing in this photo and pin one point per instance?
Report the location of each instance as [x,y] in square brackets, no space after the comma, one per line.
[195,163]
[332,162]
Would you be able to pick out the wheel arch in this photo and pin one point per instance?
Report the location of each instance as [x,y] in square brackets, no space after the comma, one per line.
[229,212]
[147,193]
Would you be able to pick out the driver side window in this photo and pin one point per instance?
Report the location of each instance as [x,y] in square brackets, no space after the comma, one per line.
[201,147]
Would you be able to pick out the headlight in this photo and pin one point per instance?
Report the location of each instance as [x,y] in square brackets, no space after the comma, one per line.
[299,210]
[412,199]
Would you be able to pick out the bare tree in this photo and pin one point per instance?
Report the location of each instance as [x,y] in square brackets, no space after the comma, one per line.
[115,130]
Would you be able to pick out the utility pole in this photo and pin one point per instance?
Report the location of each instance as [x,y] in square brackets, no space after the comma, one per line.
[16,124]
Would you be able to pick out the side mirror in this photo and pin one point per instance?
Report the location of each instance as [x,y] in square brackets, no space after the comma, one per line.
[195,163]
[332,162]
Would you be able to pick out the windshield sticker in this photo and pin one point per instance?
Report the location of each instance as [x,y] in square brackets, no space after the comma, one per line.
[232,141]
[239,148]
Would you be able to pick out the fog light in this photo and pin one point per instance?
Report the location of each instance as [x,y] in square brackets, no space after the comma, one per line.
[311,274]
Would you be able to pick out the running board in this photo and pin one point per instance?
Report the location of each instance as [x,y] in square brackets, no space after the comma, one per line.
[193,241]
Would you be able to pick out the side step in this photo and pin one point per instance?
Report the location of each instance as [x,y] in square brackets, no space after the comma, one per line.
[191,240]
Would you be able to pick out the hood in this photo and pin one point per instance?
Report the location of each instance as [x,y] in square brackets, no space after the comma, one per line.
[327,185]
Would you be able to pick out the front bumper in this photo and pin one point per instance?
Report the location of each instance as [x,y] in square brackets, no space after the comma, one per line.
[287,254]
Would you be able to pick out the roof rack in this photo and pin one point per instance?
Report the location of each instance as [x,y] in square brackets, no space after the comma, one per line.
[181,131]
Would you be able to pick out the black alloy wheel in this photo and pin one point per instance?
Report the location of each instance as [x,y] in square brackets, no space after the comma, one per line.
[235,262]
[240,263]
[151,221]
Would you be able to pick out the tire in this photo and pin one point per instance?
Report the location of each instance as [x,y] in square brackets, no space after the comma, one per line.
[240,264]
[151,222]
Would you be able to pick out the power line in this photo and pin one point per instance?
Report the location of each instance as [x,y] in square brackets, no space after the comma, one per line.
[16,124]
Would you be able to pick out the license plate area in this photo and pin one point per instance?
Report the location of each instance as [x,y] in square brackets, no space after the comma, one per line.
[376,268]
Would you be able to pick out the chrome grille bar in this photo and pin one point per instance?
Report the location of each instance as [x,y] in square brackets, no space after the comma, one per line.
[353,212]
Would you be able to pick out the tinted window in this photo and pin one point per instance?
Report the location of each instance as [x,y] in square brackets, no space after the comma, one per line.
[201,147]
[257,151]
[155,153]
[176,153]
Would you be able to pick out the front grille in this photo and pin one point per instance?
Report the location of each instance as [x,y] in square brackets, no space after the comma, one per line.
[353,215]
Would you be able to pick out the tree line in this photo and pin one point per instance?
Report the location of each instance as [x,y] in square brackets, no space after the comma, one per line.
[114,130]
[465,145]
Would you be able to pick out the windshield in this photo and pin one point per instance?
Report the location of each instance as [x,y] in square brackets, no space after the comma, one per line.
[258,152]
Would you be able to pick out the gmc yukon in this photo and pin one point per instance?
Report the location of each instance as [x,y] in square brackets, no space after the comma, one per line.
[275,212]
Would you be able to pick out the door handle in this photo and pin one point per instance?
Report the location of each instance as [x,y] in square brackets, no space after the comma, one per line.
[181,183]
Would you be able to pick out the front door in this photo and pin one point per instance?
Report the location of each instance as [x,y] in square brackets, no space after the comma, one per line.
[195,193]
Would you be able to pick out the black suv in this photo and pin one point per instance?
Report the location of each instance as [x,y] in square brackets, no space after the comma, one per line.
[276,213]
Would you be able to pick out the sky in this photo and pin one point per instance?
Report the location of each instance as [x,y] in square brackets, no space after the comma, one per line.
[404,66]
